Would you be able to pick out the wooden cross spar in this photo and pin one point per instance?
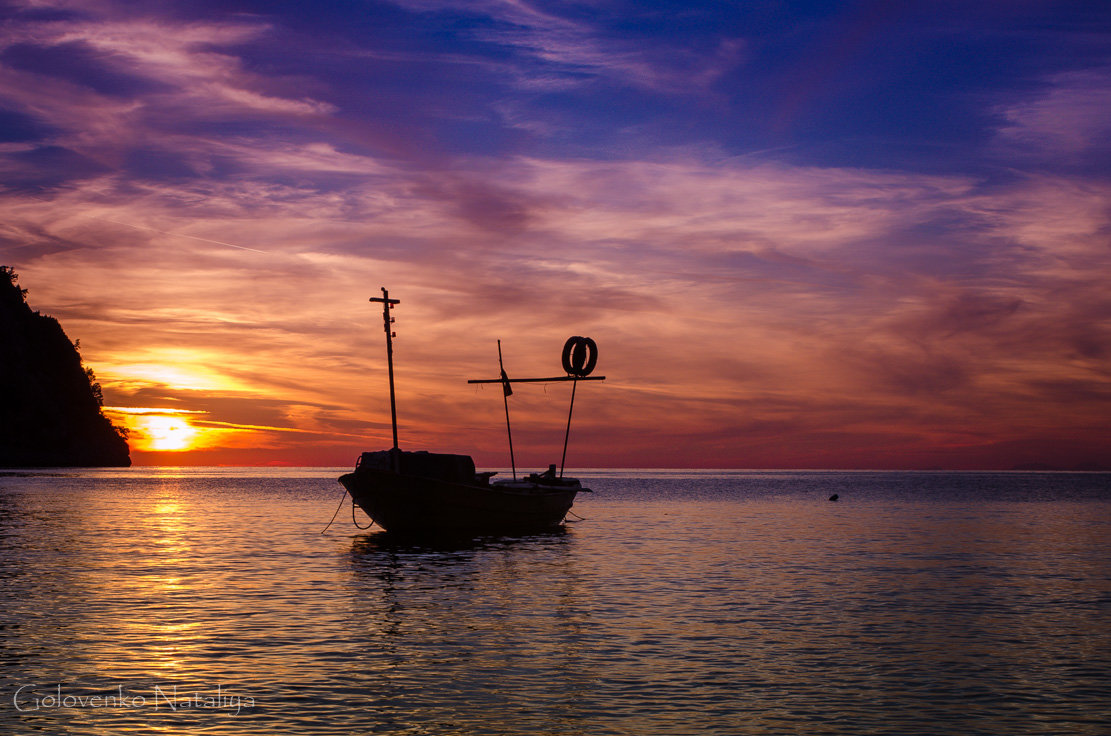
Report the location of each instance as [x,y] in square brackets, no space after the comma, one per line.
[537,380]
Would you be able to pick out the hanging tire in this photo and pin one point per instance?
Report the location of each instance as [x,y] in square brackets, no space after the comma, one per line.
[580,355]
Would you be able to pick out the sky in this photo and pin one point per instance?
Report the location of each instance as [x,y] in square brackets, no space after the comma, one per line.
[803,234]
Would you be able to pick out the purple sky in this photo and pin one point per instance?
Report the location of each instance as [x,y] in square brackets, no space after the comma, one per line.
[803,234]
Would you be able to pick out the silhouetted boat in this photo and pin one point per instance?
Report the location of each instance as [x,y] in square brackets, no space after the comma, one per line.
[422,492]
[411,492]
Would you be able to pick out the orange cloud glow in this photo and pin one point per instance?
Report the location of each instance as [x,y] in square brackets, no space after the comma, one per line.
[736,330]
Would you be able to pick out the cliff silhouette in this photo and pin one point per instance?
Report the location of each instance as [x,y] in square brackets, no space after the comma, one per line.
[50,405]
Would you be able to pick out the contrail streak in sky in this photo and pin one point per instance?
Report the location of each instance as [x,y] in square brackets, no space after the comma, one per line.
[181,235]
[163,232]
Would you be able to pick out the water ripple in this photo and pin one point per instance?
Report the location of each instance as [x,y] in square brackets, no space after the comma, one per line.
[689,603]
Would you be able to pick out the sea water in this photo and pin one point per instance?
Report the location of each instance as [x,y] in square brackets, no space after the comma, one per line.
[207,601]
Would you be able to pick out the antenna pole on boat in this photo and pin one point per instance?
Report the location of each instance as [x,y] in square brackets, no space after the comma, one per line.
[506,391]
[387,305]
[567,434]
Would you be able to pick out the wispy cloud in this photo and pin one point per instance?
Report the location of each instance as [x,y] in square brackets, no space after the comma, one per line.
[565,50]
[1067,118]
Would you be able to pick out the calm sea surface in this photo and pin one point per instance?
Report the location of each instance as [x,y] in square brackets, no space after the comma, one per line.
[207,601]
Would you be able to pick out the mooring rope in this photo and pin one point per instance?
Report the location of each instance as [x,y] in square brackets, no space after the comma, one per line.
[337,510]
[580,518]
[357,523]
[364,528]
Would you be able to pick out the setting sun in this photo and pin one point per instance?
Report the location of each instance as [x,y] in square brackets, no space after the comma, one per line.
[158,430]
[168,433]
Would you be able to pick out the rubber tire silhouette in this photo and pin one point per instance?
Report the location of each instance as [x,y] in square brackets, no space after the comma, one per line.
[580,355]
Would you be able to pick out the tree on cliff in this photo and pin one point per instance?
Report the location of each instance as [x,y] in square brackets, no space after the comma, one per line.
[50,404]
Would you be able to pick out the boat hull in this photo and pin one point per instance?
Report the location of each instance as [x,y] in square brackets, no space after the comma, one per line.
[406,504]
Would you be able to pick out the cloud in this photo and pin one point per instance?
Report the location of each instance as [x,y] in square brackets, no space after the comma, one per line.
[753,288]
[564,51]
[1068,118]
[101,90]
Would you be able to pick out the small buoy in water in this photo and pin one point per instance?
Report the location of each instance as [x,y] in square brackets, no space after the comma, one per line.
[833,497]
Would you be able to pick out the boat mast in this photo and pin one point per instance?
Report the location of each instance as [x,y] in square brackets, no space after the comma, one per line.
[506,391]
[387,320]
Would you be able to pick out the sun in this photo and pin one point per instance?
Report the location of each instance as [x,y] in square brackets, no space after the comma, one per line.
[159,429]
[168,433]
